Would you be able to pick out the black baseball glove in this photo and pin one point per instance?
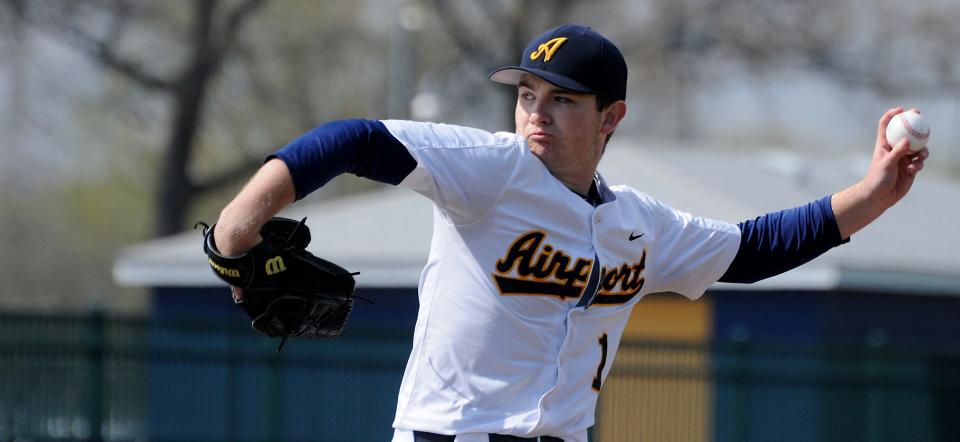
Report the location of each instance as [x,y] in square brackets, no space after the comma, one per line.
[286,290]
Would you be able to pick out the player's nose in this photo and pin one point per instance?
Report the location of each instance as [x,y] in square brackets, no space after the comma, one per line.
[539,114]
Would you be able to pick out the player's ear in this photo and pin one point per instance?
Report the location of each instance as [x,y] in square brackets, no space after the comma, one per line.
[612,115]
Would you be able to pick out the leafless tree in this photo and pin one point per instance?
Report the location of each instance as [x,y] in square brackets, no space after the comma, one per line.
[100,29]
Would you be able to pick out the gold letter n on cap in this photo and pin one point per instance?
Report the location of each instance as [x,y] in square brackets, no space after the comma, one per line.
[547,49]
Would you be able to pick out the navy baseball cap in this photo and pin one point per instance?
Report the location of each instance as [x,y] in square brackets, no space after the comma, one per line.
[572,57]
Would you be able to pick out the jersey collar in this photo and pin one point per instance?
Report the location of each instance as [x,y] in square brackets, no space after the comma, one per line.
[606,195]
[599,193]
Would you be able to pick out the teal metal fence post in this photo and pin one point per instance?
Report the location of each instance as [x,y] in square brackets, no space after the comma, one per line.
[232,397]
[274,395]
[741,386]
[95,374]
[876,341]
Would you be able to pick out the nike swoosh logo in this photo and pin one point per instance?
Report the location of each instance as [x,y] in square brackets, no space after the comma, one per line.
[632,237]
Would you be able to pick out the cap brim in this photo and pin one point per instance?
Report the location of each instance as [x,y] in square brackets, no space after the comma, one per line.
[512,75]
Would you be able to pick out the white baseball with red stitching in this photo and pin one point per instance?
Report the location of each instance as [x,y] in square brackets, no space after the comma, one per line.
[911,125]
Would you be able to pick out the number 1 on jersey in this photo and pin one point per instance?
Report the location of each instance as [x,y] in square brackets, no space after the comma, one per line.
[602,340]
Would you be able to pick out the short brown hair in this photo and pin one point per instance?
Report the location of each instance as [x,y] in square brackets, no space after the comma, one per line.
[603,102]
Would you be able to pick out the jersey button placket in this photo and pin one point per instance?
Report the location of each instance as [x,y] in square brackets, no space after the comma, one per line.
[596,232]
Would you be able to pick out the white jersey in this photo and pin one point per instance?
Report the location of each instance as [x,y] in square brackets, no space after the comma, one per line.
[504,341]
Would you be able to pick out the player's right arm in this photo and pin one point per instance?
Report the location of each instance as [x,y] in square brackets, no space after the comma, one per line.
[270,190]
[362,147]
[455,167]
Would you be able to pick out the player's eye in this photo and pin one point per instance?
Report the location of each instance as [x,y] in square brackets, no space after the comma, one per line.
[562,99]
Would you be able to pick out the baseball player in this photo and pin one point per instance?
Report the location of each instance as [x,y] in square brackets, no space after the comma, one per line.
[536,261]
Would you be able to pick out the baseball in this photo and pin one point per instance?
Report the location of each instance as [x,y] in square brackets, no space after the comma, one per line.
[911,125]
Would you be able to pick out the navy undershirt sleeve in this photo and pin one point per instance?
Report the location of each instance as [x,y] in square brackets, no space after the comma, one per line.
[362,147]
[780,241]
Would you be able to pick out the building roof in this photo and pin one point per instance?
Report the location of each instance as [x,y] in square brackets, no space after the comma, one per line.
[385,234]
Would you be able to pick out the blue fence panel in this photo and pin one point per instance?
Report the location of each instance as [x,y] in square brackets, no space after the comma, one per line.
[87,377]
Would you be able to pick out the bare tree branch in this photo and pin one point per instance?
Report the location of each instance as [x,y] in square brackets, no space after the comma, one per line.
[457,28]
[220,44]
[100,49]
[238,17]
[129,69]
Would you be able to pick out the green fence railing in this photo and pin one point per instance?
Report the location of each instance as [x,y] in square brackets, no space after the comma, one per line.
[98,378]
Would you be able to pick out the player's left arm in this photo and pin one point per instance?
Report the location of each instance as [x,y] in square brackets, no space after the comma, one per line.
[780,241]
[889,178]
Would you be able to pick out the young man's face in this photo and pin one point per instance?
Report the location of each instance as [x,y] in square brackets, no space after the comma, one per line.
[563,128]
